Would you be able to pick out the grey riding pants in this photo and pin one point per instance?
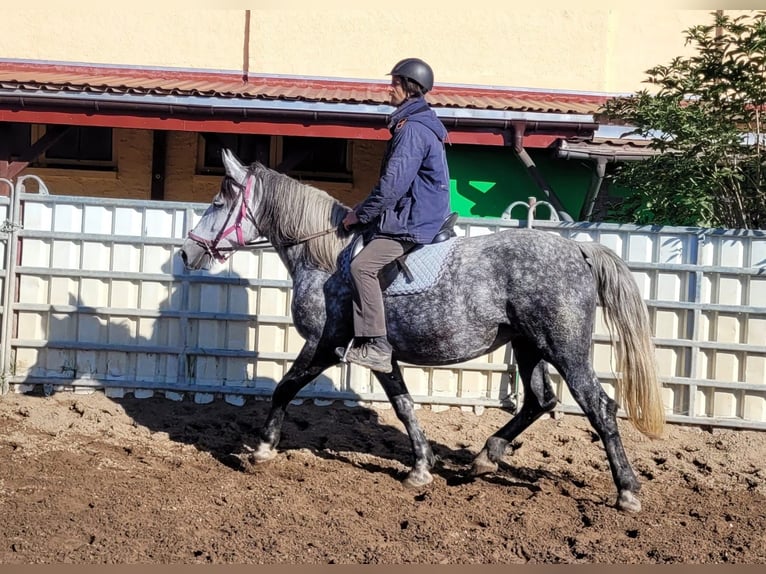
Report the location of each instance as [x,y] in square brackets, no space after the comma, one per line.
[369,313]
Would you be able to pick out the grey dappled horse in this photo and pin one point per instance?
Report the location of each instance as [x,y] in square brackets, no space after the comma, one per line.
[530,288]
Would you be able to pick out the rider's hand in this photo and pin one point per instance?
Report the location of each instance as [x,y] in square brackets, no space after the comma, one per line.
[350,219]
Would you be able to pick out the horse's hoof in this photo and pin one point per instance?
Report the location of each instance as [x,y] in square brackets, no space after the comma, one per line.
[263,453]
[483,465]
[628,501]
[418,479]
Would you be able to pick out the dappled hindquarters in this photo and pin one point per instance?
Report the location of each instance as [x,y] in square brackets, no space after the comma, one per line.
[87,479]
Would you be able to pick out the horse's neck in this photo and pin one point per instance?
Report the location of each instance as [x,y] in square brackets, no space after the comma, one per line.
[292,257]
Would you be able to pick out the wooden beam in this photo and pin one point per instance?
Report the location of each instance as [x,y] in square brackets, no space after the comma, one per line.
[470,136]
[159,154]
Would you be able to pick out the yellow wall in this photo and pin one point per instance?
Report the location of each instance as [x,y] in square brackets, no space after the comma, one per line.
[605,50]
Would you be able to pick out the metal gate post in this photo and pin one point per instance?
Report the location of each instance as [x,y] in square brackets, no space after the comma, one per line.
[10,288]
[9,227]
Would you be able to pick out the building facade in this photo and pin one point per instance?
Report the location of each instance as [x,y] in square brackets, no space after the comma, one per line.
[138,104]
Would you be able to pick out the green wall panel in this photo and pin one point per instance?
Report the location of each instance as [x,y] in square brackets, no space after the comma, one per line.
[486,180]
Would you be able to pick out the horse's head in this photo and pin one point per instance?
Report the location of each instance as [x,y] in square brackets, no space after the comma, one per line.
[229,223]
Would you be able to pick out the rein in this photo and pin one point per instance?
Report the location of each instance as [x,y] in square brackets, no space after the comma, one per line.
[220,254]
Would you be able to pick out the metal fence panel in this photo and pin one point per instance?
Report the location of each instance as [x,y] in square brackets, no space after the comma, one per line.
[103,302]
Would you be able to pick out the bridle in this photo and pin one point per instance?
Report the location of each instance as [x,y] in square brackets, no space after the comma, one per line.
[222,253]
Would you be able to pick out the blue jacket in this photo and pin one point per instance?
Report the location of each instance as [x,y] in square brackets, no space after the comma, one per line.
[411,200]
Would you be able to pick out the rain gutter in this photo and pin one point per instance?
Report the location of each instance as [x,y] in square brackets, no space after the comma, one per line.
[241,108]
[600,159]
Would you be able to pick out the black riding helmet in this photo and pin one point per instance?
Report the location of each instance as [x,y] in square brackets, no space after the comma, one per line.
[416,70]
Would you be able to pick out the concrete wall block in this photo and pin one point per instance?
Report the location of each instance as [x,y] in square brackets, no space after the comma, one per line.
[614,241]
[640,248]
[94,292]
[272,371]
[755,369]
[239,300]
[158,223]
[245,263]
[237,334]
[117,364]
[211,334]
[27,362]
[38,216]
[97,220]
[128,221]
[669,324]
[67,218]
[271,338]
[727,367]
[274,301]
[604,357]
[122,330]
[444,382]
[359,380]
[126,258]
[64,291]
[732,252]
[754,407]
[294,341]
[644,281]
[91,328]
[417,379]
[673,249]
[62,327]
[669,286]
[730,290]
[154,294]
[33,289]
[500,385]
[757,252]
[757,292]
[669,364]
[124,294]
[725,404]
[149,367]
[272,267]
[157,259]
[65,255]
[474,384]
[728,328]
[235,370]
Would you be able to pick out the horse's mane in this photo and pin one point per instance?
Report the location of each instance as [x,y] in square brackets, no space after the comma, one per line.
[290,211]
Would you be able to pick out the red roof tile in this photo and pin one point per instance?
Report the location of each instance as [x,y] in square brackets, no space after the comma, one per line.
[43,77]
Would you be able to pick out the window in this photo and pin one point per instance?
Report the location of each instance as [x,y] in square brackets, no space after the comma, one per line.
[247,147]
[16,138]
[320,159]
[81,147]
[306,158]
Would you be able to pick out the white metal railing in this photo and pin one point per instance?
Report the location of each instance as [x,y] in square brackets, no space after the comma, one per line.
[95,297]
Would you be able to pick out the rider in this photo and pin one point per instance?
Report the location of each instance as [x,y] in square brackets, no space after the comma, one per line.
[407,206]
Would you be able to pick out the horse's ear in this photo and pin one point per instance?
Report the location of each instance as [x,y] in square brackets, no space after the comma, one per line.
[234,169]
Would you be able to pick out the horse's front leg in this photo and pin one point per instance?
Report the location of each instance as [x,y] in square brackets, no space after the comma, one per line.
[306,368]
[404,406]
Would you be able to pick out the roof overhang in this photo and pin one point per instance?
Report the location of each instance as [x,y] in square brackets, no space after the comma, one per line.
[322,107]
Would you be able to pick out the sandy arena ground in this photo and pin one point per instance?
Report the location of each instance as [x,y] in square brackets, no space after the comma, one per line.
[88,479]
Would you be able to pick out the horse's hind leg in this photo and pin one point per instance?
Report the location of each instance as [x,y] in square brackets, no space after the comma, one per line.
[396,390]
[601,411]
[539,398]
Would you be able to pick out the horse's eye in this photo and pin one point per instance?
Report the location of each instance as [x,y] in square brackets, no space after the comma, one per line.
[218,203]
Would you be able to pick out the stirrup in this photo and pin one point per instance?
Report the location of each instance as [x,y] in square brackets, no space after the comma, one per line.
[343,351]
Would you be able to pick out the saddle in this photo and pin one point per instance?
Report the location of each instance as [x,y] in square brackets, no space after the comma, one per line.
[390,272]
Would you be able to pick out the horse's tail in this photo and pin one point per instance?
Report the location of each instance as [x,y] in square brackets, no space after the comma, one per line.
[627,318]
